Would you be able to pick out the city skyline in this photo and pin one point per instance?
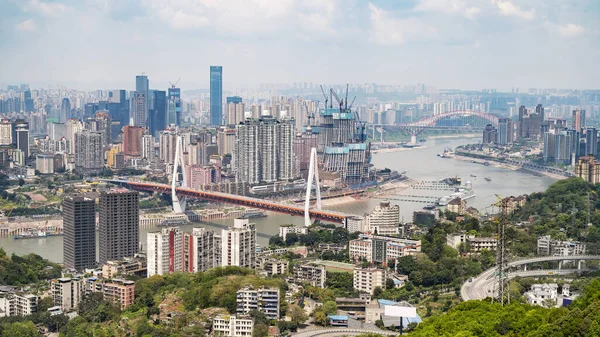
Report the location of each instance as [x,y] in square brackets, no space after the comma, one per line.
[445,43]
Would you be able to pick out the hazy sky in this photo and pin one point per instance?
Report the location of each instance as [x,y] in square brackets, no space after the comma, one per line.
[468,44]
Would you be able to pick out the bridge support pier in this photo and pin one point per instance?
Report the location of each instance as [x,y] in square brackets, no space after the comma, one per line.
[413,139]
[313,174]
[559,265]
[579,265]
[524,267]
[178,204]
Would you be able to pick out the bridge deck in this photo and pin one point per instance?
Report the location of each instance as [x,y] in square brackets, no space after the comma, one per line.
[324,215]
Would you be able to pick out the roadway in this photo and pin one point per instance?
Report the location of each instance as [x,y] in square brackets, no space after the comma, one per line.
[482,286]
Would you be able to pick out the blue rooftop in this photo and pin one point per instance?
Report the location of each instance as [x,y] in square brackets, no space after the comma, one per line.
[339,318]
[386,302]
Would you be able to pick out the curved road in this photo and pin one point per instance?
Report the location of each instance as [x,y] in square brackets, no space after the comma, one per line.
[335,332]
[482,286]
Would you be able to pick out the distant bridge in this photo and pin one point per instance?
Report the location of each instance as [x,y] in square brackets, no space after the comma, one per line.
[315,214]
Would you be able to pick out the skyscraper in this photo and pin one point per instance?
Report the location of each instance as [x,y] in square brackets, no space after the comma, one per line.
[175,98]
[201,250]
[79,244]
[21,129]
[89,157]
[238,245]
[132,140]
[505,131]
[578,121]
[591,141]
[65,110]
[235,110]
[140,109]
[141,83]
[119,224]
[157,120]
[216,95]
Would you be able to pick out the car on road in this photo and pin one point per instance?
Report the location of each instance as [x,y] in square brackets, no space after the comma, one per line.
[470,279]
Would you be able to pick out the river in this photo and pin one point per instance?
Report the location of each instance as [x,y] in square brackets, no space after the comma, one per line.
[419,163]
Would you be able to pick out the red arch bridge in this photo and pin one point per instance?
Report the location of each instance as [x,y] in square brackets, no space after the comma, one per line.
[315,214]
[452,120]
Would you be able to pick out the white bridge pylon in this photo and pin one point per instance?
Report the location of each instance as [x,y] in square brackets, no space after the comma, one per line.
[178,204]
[313,174]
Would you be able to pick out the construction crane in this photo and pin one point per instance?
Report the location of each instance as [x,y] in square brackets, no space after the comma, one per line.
[174,84]
[346,99]
[340,101]
[326,99]
[351,103]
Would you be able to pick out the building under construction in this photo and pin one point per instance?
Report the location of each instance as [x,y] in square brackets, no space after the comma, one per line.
[342,142]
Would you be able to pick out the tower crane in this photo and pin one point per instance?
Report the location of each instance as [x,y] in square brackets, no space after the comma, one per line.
[174,84]
[326,99]
[340,101]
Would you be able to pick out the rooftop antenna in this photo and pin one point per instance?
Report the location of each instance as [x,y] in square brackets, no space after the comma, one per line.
[324,95]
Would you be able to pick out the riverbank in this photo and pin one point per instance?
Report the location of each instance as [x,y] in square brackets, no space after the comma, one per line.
[507,166]
[398,149]
[463,135]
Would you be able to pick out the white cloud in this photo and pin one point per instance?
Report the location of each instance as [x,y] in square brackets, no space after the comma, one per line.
[26,26]
[507,8]
[459,7]
[570,30]
[46,8]
[387,30]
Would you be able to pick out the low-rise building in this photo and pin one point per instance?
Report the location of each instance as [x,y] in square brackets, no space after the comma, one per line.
[543,294]
[367,279]
[310,273]
[376,248]
[548,247]
[233,326]
[127,266]
[67,292]
[376,311]
[287,229]
[478,244]
[338,321]
[272,266]
[457,205]
[17,304]
[454,240]
[119,291]
[265,300]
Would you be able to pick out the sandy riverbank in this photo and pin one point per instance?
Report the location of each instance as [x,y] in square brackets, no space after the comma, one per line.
[468,135]
[508,167]
[398,149]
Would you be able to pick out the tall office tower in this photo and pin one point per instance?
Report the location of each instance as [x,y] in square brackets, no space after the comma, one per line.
[164,251]
[132,140]
[141,83]
[157,119]
[523,122]
[201,250]
[225,140]
[65,110]
[264,150]
[505,131]
[148,147]
[591,141]
[73,126]
[167,141]
[216,95]
[6,132]
[21,129]
[578,121]
[235,110]
[28,105]
[102,123]
[79,227]
[140,107]
[303,143]
[89,157]
[238,245]
[119,224]
[175,98]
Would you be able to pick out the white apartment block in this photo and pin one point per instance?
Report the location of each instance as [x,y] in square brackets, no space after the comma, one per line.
[232,326]
[367,279]
[148,147]
[316,275]
[454,240]
[376,248]
[356,224]
[265,300]
[238,245]
[384,219]
[478,244]
[164,251]
[15,304]
[284,230]
[540,294]
[6,132]
[67,292]
[201,250]
[547,246]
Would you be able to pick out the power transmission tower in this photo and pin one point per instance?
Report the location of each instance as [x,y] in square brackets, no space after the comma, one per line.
[501,273]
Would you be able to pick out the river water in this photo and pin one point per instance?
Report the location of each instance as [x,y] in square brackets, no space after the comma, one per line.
[421,164]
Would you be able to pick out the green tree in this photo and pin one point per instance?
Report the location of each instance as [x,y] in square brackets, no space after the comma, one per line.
[260,330]
[20,329]
[389,283]
[297,314]
[330,308]
[320,317]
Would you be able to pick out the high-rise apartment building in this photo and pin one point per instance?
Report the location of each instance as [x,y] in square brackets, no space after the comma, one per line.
[591,141]
[238,244]
[140,109]
[119,224]
[79,227]
[67,292]
[578,121]
[303,144]
[530,123]
[265,300]
[505,131]
[216,95]
[148,147]
[65,110]
[225,140]
[167,141]
[384,219]
[264,150]
[588,168]
[73,126]
[490,134]
[89,157]
[201,250]
[132,140]
[164,251]
[235,110]
[6,132]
